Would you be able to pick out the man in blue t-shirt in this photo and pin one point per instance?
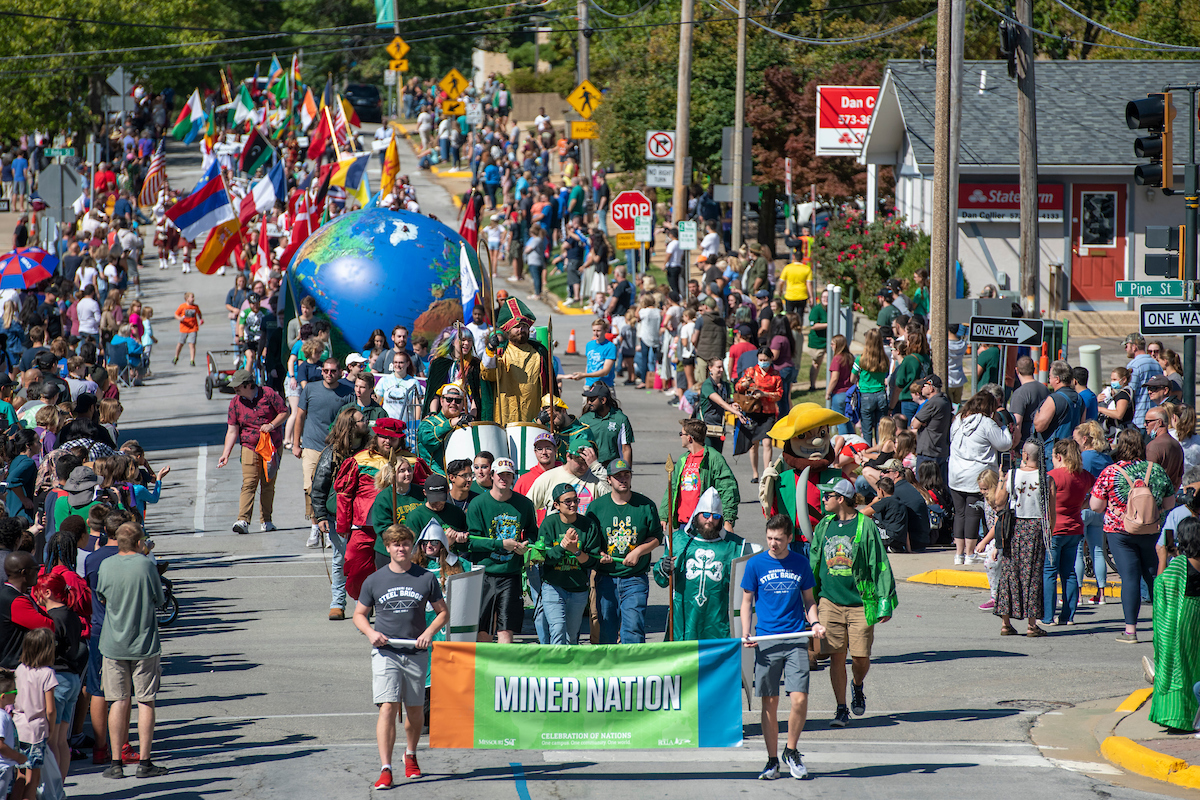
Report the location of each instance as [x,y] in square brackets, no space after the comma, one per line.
[779,584]
[601,358]
[1090,404]
[20,168]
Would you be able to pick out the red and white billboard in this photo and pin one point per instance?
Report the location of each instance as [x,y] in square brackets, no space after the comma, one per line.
[843,115]
[1001,202]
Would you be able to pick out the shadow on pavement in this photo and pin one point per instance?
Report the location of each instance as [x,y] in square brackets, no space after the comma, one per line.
[934,656]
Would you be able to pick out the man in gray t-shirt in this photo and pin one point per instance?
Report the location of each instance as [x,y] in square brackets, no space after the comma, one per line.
[1026,399]
[319,404]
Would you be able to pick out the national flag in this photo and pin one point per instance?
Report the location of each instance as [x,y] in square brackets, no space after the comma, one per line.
[276,71]
[204,209]
[265,194]
[349,112]
[282,125]
[156,177]
[341,129]
[190,119]
[308,109]
[318,140]
[391,168]
[328,95]
[469,229]
[295,73]
[242,108]
[262,260]
[300,231]
[255,151]
[351,174]
[222,242]
[280,86]
[469,283]
[319,193]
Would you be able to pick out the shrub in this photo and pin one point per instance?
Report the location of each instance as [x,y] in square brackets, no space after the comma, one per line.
[860,257]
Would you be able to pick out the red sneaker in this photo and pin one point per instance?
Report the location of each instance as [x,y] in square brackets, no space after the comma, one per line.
[129,755]
[411,768]
[385,779]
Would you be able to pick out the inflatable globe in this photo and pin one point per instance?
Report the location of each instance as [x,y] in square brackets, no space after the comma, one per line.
[378,268]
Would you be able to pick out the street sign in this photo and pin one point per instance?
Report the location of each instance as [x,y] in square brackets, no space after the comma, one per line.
[59,186]
[687,235]
[585,99]
[660,145]
[474,113]
[584,129]
[453,108]
[454,84]
[1168,318]
[398,48]
[59,152]
[119,81]
[998,330]
[398,65]
[626,241]
[641,228]
[660,174]
[1150,289]
[389,77]
[627,207]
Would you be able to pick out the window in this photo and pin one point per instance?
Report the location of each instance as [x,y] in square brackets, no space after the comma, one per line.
[1098,223]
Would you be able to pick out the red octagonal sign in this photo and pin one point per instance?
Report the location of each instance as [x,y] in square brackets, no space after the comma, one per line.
[627,206]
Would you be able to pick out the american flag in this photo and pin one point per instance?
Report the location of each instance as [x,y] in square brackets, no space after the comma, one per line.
[156,178]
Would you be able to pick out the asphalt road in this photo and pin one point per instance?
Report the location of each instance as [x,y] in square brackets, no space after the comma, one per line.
[264,698]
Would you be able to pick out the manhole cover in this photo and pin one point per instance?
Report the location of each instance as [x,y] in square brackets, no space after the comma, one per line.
[1033,705]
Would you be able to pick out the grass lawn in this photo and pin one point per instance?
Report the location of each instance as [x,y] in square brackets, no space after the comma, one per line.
[556,284]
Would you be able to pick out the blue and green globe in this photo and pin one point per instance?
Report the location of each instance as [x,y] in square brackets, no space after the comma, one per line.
[378,268]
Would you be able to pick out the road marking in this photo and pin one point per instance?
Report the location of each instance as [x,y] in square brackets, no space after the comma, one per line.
[255,577]
[251,717]
[519,776]
[201,489]
[1090,767]
[810,756]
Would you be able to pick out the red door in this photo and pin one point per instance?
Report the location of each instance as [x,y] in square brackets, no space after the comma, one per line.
[1097,240]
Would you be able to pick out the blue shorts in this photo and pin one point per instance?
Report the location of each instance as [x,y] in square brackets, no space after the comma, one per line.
[66,694]
[35,753]
[95,663]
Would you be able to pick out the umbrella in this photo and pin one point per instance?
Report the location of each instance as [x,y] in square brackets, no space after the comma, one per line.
[26,267]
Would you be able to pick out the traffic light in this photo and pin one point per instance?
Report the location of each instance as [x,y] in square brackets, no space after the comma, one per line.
[1165,237]
[1153,115]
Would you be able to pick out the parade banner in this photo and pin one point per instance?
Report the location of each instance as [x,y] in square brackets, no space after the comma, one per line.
[641,696]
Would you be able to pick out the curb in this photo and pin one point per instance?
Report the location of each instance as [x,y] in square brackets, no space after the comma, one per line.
[572,312]
[1129,755]
[970,579]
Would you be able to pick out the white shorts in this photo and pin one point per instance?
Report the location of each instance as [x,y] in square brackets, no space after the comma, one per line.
[397,677]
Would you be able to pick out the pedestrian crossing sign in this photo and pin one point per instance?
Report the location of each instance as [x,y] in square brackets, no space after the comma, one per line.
[398,48]
[585,99]
[454,84]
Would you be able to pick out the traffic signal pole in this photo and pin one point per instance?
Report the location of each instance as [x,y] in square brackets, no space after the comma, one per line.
[1191,201]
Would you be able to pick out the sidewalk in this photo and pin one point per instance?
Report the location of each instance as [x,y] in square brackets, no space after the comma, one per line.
[1131,741]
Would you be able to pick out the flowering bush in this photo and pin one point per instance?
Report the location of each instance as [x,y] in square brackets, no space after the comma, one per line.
[860,257]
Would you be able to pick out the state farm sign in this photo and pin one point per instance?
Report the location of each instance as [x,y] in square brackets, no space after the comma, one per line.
[1001,202]
[843,116]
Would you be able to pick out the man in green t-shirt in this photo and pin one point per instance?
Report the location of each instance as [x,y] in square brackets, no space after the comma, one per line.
[987,364]
[607,424]
[757,276]
[500,524]
[571,545]
[887,311]
[856,589]
[632,529]
[818,337]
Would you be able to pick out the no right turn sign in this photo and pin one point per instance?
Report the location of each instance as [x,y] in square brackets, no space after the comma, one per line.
[660,145]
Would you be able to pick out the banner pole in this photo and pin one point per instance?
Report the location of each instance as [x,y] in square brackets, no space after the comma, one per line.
[669,532]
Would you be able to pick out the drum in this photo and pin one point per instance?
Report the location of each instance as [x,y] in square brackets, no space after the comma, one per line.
[520,444]
[476,438]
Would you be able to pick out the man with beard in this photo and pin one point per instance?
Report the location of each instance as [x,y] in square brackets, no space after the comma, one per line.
[703,552]
[436,428]
[607,423]
[519,367]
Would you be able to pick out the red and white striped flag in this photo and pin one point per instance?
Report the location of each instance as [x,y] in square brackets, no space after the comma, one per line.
[156,178]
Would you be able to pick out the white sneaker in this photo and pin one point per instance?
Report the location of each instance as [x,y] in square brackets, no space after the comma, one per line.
[241,526]
[795,764]
[267,527]
[314,538]
[959,560]
[221,271]
[171,259]
[975,559]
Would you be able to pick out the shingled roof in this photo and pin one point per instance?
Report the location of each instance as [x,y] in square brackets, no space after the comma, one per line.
[1080,109]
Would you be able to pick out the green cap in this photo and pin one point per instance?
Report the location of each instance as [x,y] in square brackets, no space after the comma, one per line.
[577,443]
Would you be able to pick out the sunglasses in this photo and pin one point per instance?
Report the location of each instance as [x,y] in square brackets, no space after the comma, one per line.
[710,515]
[328,371]
[451,399]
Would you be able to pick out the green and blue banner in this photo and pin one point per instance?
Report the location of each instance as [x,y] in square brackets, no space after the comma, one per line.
[641,696]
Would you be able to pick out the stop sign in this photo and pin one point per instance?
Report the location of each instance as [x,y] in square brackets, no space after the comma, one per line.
[627,206]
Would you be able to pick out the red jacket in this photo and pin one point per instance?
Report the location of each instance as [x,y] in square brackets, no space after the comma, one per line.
[355,487]
[769,383]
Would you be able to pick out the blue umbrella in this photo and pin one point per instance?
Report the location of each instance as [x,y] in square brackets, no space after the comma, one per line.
[26,267]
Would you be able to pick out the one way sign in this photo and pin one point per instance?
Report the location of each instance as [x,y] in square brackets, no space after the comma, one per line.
[997,330]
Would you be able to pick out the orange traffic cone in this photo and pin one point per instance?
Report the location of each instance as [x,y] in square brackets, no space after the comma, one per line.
[1044,366]
[571,351]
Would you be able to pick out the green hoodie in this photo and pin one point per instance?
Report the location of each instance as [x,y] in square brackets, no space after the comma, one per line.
[869,568]
[714,471]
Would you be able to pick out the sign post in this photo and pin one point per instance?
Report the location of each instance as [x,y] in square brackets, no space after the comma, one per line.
[626,208]
[999,330]
[641,234]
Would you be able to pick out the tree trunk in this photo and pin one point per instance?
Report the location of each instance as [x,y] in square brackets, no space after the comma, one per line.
[766,216]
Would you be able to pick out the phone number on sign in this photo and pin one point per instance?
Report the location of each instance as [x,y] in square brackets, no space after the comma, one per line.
[854,120]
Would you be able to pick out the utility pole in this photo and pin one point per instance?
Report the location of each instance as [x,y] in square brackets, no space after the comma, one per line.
[683,99]
[394,100]
[1191,201]
[1028,157]
[958,20]
[939,264]
[739,129]
[585,73]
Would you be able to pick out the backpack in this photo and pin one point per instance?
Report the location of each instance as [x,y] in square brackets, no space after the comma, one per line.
[1141,510]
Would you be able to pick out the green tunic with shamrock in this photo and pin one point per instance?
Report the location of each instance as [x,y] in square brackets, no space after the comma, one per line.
[702,575]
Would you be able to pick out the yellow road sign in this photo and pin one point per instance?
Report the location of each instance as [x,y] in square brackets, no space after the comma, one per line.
[398,48]
[398,65]
[453,108]
[454,84]
[584,130]
[585,99]
[627,241]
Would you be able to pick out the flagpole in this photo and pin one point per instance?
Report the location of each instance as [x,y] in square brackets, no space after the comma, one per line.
[332,133]
[225,87]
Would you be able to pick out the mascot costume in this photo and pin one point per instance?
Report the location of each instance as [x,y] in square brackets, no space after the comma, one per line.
[807,463]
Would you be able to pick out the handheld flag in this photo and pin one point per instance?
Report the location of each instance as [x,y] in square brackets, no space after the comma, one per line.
[349,112]
[262,261]
[308,110]
[469,229]
[300,230]
[318,140]
[468,282]
[221,243]
[265,194]
[190,119]
[341,129]
[391,168]
[256,151]
[351,174]
[205,208]
[156,177]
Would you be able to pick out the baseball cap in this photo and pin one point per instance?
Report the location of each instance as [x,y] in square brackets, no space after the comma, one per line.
[504,465]
[762,294]
[1158,382]
[239,377]
[934,381]
[558,401]
[618,465]
[577,444]
[892,465]
[845,488]
[436,488]
[355,358]
[597,389]
[560,490]
[6,382]
[544,438]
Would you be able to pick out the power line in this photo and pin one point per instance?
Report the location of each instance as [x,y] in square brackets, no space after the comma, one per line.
[832,42]
[1103,27]
[1048,35]
[606,13]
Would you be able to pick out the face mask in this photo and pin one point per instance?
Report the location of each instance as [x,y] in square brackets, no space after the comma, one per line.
[1115,384]
[764,365]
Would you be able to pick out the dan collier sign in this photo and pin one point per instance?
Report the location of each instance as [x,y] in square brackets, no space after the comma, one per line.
[1001,202]
[843,116]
